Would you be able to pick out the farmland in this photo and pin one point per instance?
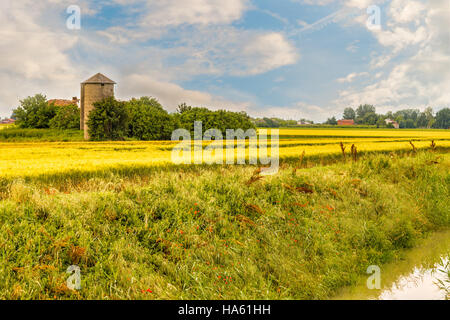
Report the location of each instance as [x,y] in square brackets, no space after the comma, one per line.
[140,227]
[30,158]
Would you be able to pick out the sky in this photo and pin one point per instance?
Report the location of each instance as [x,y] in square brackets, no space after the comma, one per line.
[291,59]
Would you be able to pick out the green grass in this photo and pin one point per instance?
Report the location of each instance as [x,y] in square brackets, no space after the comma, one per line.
[204,233]
[14,134]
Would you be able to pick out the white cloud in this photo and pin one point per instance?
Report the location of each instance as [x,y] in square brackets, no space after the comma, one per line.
[405,11]
[171,95]
[297,111]
[351,77]
[202,12]
[33,58]
[266,52]
[420,78]
[228,51]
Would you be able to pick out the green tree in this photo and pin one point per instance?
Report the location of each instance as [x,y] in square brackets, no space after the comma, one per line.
[430,117]
[331,121]
[364,109]
[221,119]
[183,108]
[366,114]
[422,121]
[67,117]
[34,112]
[148,120]
[381,122]
[408,114]
[442,119]
[108,120]
[271,123]
[349,114]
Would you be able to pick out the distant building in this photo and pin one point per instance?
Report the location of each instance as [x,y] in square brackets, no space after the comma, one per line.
[304,123]
[64,103]
[394,123]
[93,90]
[346,122]
[7,121]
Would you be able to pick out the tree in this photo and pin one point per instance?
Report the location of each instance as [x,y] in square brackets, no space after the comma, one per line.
[409,124]
[408,114]
[349,114]
[271,123]
[67,117]
[442,119]
[429,115]
[331,121]
[108,120]
[34,112]
[183,108]
[422,121]
[364,109]
[366,114]
[220,120]
[148,120]
[381,122]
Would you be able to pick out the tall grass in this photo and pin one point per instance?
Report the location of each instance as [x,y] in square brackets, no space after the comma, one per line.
[207,233]
[15,134]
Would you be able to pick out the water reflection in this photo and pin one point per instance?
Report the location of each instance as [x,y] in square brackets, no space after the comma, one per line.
[414,276]
[421,284]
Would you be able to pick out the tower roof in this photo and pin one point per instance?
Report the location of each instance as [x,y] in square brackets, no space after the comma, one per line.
[99,78]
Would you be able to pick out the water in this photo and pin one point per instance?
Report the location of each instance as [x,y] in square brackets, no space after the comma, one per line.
[414,277]
[420,284]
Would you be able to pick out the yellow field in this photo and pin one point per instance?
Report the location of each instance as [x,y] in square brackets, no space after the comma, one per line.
[368,133]
[35,158]
[5,126]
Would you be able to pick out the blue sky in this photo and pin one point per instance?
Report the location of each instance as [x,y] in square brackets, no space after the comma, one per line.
[288,58]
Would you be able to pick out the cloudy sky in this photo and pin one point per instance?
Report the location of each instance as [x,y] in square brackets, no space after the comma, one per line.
[286,58]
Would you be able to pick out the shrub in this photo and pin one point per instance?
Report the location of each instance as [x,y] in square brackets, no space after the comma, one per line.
[148,120]
[221,119]
[108,120]
[67,117]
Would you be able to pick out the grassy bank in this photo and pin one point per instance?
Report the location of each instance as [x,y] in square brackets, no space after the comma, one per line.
[216,232]
[15,134]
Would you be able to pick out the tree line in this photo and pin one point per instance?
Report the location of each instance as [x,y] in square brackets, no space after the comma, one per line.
[278,123]
[139,119]
[407,118]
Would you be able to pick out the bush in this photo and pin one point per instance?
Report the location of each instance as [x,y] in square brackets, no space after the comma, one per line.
[34,112]
[221,119]
[108,120]
[67,117]
[148,120]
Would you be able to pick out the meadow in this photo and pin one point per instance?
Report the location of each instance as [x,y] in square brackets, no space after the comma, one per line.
[140,227]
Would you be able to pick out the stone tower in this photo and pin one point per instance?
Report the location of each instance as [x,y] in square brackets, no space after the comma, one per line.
[93,90]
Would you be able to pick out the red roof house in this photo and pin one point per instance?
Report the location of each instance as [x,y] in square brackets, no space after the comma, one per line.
[64,103]
[346,122]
